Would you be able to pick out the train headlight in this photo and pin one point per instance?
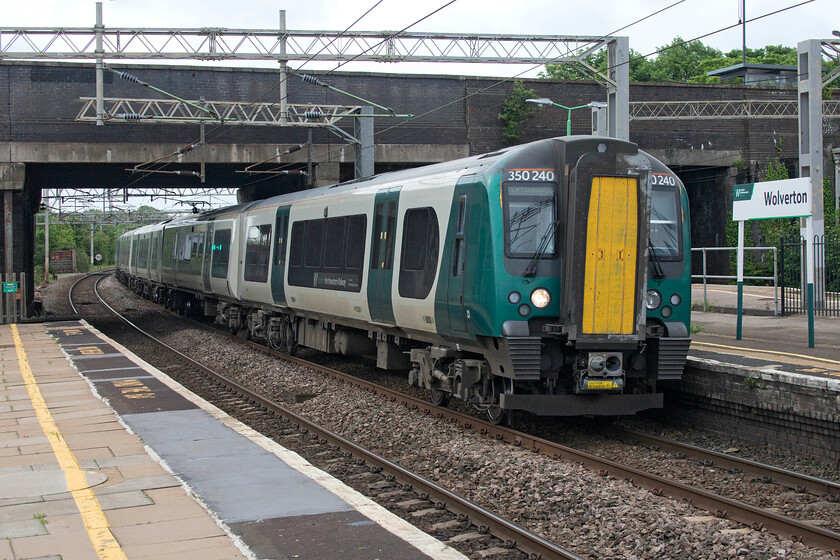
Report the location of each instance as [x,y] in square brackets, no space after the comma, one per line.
[652,299]
[514,297]
[540,298]
[666,311]
[676,299]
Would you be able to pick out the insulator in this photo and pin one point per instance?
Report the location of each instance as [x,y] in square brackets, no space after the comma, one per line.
[130,116]
[293,149]
[185,149]
[130,77]
[312,80]
[313,114]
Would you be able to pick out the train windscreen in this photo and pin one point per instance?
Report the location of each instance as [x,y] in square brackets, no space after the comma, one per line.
[665,224]
[529,214]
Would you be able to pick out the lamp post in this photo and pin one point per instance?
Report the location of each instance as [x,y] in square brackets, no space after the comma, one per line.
[547,101]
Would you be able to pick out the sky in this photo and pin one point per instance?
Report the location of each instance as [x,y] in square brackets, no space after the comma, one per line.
[688,18]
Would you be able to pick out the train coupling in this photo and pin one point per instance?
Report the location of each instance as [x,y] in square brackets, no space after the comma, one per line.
[600,372]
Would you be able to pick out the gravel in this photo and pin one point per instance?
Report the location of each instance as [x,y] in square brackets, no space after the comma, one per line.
[596,516]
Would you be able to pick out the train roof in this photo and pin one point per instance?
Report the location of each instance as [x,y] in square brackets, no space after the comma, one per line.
[469,164]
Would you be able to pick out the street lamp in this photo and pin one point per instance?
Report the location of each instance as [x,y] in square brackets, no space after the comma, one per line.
[547,101]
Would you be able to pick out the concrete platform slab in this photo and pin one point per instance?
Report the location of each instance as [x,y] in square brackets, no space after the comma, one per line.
[231,468]
[26,528]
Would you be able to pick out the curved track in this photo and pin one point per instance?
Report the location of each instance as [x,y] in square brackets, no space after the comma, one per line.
[722,507]
[484,521]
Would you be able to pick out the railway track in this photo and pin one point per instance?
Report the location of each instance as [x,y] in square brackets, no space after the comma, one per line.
[469,520]
[719,506]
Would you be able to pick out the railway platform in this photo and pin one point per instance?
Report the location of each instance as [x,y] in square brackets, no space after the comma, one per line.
[105,457]
[766,338]
[769,386]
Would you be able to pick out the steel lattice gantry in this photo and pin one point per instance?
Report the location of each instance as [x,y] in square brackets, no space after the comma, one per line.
[717,110]
[218,44]
[281,45]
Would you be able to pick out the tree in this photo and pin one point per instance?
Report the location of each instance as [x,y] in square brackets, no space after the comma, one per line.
[597,60]
[515,110]
[640,68]
[679,61]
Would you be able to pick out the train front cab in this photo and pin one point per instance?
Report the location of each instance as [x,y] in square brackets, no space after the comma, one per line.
[576,234]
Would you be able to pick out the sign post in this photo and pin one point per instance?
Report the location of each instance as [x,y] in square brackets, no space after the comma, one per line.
[788,198]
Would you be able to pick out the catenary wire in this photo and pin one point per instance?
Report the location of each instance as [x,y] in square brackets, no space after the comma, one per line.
[275,86]
[659,51]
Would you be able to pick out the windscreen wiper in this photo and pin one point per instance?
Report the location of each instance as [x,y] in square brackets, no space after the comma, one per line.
[518,220]
[531,270]
[654,258]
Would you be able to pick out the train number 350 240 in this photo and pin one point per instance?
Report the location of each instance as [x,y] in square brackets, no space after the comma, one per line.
[663,179]
[530,175]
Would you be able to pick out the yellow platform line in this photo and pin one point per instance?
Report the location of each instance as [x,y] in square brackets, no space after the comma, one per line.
[97,526]
[826,360]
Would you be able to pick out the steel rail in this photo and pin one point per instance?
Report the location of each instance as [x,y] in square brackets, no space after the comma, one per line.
[790,479]
[720,506]
[485,520]
[86,276]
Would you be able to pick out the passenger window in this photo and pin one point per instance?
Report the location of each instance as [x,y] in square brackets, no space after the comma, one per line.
[334,246]
[459,260]
[220,253]
[314,243]
[419,259]
[280,248]
[341,241]
[376,239]
[355,253]
[296,246]
[257,253]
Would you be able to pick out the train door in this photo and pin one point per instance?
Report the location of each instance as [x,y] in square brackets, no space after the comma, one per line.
[457,268]
[610,269]
[278,267]
[208,257]
[382,256]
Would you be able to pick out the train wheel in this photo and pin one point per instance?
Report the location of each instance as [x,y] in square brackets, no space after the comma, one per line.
[497,415]
[439,398]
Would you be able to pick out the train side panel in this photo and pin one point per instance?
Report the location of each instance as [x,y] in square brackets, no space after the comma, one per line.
[420,237]
[328,256]
[223,256]
[255,249]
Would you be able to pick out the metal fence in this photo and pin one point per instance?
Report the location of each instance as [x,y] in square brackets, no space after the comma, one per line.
[13,302]
[705,276]
[826,284]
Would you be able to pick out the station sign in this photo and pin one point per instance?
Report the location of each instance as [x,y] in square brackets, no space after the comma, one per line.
[788,198]
[10,287]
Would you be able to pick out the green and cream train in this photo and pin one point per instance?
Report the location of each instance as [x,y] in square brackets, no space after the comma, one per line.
[552,277]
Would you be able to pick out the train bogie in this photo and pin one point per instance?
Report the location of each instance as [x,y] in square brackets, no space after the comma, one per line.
[551,277]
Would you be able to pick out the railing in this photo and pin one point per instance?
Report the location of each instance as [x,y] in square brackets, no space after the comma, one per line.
[826,281]
[13,302]
[705,277]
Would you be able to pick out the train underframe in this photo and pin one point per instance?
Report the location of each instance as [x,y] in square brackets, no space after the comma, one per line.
[557,379]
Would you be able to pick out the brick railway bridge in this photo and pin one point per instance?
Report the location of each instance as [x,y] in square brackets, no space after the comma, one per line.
[43,145]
